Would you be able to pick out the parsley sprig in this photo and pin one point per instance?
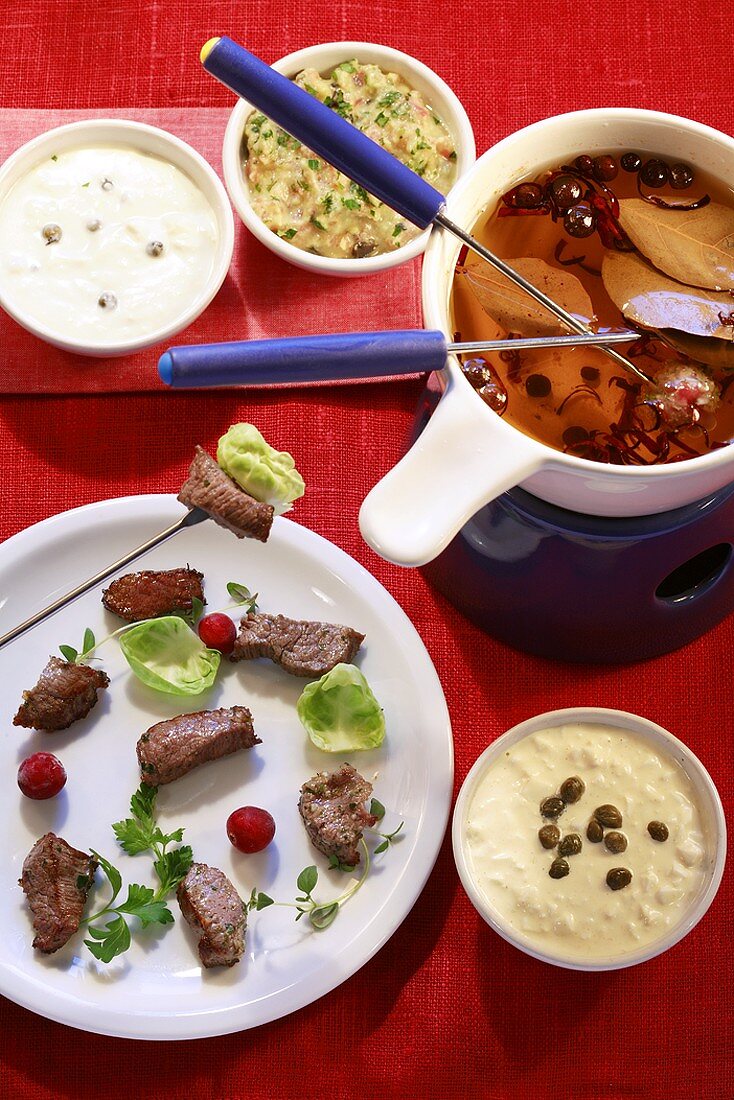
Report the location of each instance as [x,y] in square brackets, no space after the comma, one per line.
[108,928]
[140,833]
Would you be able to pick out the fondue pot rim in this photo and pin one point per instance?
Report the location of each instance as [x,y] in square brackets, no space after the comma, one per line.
[443,252]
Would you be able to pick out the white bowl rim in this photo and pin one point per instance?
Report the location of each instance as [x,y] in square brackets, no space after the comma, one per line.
[124,131]
[458,123]
[640,726]
[553,458]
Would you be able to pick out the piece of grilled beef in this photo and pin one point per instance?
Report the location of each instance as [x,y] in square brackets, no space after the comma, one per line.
[172,748]
[208,487]
[299,646]
[56,880]
[216,912]
[153,592]
[333,811]
[64,693]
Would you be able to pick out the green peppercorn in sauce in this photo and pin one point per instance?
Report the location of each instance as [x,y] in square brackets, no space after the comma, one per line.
[578,899]
[308,202]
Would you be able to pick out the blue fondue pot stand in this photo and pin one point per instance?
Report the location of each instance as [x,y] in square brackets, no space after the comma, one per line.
[574,587]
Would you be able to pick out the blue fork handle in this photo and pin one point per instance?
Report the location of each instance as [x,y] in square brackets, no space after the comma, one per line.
[323,131]
[304,359]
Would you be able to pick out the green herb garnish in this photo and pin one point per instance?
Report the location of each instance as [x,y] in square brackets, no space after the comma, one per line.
[77,656]
[140,833]
[242,596]
[136,834]
[315,221]
[314,165]
[288,234]
[399,228]
[389,98]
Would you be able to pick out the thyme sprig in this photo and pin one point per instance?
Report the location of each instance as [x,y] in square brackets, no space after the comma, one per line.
[321,914]
[378,811]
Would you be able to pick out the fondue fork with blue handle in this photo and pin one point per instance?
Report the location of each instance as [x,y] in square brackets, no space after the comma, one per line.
[340,356]
[361,159]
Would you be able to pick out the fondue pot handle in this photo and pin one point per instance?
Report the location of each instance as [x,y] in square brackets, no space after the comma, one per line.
[323,131]
[464,458]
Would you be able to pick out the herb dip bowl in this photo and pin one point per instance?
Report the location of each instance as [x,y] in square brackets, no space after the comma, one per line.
[137,138]
[588,733]
[325,58]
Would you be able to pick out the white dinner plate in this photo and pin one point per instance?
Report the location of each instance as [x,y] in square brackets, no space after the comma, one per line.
[158,989]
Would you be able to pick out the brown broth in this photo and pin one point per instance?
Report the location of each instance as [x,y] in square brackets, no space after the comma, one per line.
[568,418]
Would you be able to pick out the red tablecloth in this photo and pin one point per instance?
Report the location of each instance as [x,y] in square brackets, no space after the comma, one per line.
[447,1009]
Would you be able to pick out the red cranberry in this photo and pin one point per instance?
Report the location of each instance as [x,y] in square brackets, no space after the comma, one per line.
[580,221]
[631,162]
[565,191]
[250,829]
[41,775]
[654,173]
[681,177]
[585,165]
[217,631]
[605,168]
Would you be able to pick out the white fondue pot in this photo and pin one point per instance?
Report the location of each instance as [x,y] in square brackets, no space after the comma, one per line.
[467,455]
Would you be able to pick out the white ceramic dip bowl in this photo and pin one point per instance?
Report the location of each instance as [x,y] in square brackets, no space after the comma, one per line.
[195,219]
[578,921]
[324,58]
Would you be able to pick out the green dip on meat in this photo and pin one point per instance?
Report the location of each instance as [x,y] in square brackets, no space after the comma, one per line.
[307,202]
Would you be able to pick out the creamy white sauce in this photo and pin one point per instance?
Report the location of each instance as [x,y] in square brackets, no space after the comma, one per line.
[579,917]
[110,204]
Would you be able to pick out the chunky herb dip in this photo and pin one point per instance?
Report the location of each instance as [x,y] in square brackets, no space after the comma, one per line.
[307,202]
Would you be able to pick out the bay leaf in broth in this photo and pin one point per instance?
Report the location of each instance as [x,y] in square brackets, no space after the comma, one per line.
[516,311]
[648,298]
[718,354]
[696,247]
